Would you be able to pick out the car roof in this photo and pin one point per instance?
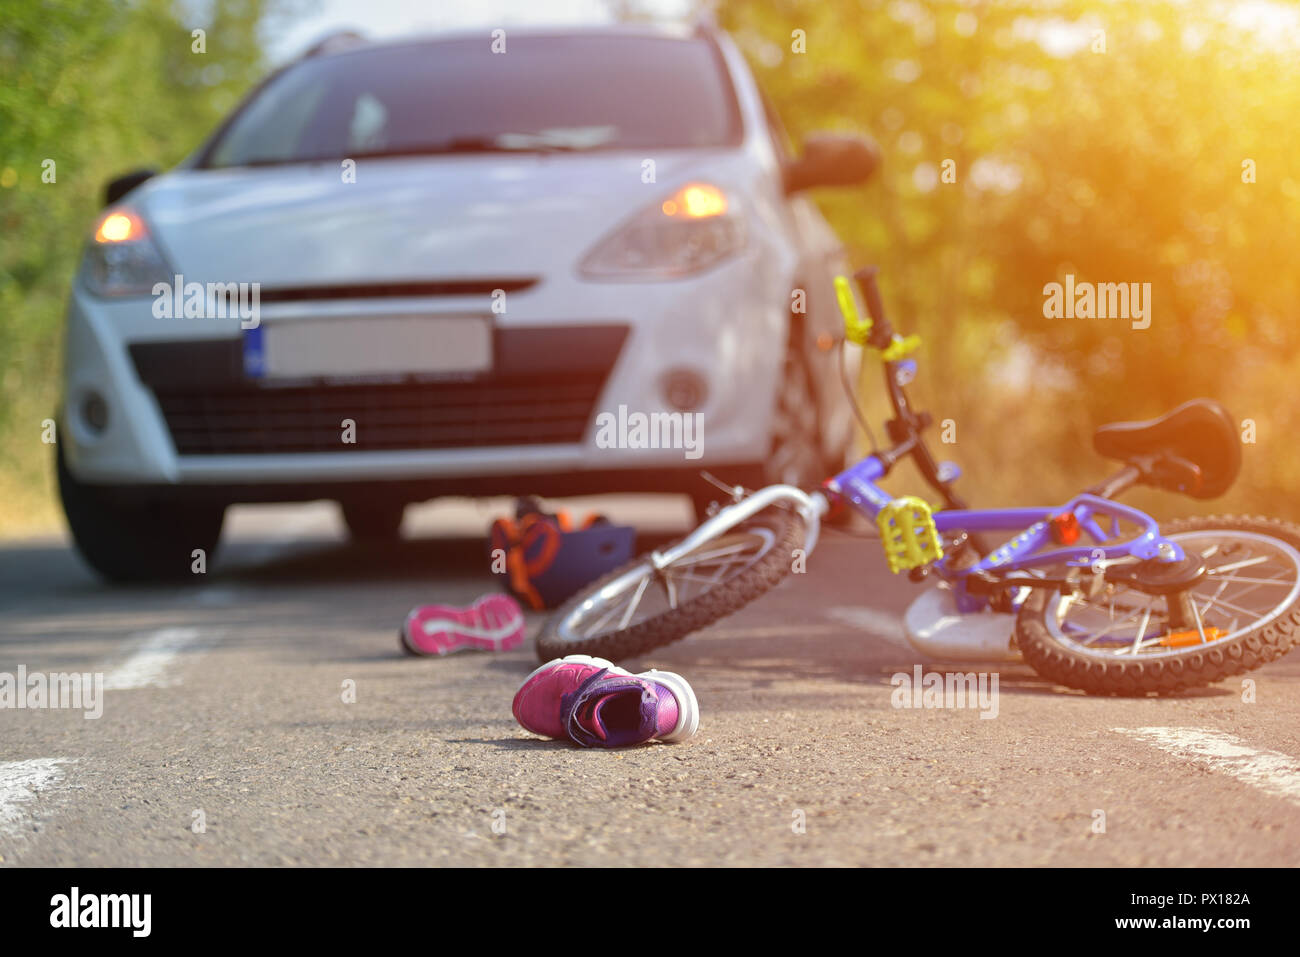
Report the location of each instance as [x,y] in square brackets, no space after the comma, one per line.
[347,42]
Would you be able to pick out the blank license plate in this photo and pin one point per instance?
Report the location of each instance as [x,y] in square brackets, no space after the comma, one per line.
[378,345]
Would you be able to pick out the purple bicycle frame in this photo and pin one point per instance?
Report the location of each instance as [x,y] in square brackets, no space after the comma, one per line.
[857,485]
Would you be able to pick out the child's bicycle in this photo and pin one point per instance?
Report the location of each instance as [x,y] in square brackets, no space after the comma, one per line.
[1094,594]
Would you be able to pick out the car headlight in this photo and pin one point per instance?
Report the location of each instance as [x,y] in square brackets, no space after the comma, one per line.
[690,231]
[121,258]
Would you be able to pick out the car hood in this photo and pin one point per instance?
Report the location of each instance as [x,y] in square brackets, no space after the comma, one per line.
[445,217]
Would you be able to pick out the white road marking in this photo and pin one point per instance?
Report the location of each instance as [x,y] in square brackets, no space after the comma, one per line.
[1272,771]
[147,667]
[20,781]
[879,623]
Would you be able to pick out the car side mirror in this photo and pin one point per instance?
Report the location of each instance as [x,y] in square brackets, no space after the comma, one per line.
[117,188]
[832,159]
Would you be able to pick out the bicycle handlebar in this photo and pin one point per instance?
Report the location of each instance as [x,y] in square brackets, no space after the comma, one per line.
[907,425]
[882,333]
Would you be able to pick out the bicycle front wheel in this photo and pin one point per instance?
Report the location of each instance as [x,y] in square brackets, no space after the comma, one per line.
[637,608]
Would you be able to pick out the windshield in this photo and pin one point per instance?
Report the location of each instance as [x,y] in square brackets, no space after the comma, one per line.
[544,94]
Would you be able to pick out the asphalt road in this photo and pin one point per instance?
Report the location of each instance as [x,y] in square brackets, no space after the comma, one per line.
[225,738]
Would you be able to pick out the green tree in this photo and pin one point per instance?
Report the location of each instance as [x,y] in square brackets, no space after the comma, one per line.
[1113,142]
[88,91]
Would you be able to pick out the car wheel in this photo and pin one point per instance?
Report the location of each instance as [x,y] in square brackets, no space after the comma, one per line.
[795,455]
[151,541]
[374,521]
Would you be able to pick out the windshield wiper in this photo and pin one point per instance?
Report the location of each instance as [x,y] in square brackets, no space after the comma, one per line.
[499,143]
[507,143]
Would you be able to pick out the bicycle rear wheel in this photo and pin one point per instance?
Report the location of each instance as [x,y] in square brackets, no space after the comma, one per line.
[1246,612]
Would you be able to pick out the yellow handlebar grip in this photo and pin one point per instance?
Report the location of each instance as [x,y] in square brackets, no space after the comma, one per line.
[856,329]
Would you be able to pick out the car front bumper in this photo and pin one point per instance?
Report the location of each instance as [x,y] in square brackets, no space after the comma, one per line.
[727,327]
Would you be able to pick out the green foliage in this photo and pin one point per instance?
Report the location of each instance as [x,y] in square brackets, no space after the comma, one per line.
[99,87]
[1121,166]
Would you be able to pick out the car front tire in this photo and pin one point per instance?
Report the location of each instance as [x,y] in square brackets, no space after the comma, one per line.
[127,542]
[373,521]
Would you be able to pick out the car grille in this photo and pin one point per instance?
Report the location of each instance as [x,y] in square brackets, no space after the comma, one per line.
[385,417]
[543,391]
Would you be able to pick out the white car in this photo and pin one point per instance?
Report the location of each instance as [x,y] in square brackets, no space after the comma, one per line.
[463,265]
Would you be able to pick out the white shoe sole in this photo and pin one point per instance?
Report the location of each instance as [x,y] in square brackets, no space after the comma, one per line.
[471,637]
[688,707]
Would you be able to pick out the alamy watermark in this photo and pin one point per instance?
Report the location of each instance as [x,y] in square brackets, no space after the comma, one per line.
[58,691]
[213,300]
[1106,300]
[129,911]
[651,430]
[946,690]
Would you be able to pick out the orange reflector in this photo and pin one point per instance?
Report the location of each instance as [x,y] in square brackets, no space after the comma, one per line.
[119,226]
[1065,528]
[1185,639]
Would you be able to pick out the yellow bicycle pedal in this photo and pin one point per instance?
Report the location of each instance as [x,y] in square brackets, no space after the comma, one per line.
[908,533]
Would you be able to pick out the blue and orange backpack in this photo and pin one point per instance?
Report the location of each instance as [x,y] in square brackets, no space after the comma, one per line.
[547,559]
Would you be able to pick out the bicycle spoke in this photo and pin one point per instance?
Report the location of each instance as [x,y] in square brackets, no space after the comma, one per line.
[632,606]
[1200,628]
[1108,629]
[609,613]
[670,589]
[1256,581]
[687,576]
[1141,632]
[1246,563]
[1238,595]
[695,559]
[1227,604]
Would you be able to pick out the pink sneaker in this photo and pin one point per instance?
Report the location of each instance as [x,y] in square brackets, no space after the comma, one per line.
[597,704]
[493,623]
